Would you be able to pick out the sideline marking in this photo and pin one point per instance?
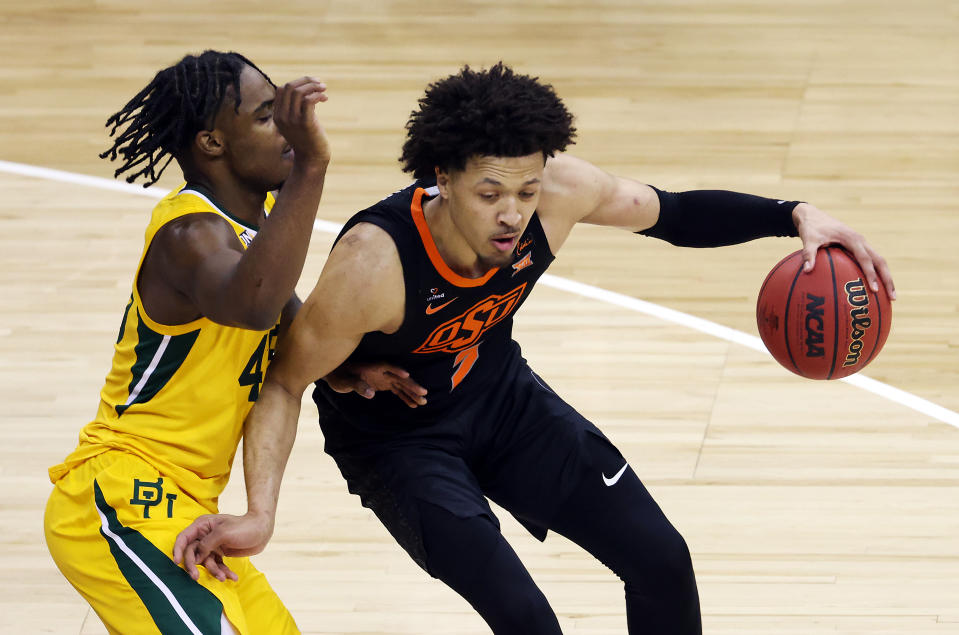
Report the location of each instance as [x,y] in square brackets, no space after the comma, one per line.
[886,391]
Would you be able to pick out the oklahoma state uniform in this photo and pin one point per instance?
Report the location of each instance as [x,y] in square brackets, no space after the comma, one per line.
[456,332]
[157,455]
[490,425]
[491,429]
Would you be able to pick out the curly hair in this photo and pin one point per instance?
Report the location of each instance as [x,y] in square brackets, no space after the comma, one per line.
[494,112]
[164,117]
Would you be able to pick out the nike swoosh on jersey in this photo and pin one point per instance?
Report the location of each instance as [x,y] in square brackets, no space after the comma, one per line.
[430,309]
[615,478]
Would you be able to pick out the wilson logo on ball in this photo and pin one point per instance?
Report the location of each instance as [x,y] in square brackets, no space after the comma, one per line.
[857,298]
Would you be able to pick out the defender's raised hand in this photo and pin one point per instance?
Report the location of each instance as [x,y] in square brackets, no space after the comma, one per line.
[296,119]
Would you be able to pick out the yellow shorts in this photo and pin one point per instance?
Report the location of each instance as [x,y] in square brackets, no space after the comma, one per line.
[110,525]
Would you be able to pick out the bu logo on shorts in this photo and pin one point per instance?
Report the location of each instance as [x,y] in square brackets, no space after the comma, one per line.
[149,494]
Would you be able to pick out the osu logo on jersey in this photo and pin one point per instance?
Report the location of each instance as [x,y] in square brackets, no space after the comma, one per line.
[465,330]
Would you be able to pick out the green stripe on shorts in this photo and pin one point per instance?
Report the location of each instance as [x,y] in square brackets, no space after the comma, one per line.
[176,603]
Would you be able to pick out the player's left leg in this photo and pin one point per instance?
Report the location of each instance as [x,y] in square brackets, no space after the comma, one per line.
[612,516]
[555,470]
[262,608]
[110,524]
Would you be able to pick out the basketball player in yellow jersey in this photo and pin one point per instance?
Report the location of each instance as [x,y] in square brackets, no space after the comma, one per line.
[220,261]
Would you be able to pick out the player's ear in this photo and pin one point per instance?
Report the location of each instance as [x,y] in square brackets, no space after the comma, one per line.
[442,182]
[209,143]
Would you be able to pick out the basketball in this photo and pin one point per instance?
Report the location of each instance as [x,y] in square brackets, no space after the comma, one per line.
[825,324]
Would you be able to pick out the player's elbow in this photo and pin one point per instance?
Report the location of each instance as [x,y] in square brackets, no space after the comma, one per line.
[260,323]
[255,314]
[260,317]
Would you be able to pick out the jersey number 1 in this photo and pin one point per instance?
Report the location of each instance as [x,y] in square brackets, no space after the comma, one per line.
[463,364]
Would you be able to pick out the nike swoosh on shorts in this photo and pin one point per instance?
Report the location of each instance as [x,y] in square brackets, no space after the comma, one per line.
[612,481]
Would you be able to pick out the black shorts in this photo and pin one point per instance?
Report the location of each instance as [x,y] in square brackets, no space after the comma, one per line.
[521,446]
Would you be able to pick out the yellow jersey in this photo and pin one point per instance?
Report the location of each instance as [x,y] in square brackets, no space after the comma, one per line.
[176,396]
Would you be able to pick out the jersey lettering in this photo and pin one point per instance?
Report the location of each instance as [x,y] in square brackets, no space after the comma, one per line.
[273,336]
[465,330]
[252,374]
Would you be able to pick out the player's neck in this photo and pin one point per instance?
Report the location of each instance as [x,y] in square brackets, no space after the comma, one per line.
[237,200]
[452,246]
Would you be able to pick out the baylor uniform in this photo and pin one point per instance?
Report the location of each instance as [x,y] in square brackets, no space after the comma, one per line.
[157,455]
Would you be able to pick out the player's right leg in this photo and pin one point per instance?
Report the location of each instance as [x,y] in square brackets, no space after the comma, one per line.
[473,558]
[110,524]
[431,503]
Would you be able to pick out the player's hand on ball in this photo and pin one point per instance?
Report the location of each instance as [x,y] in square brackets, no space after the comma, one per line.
[817,229]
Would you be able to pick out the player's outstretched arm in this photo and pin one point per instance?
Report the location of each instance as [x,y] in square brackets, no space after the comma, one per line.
[269,432]
[326,330]
[699,218]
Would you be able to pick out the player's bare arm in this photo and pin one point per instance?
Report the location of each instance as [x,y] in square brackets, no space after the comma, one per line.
[577,191]
[290,309]
[196,268]
[327,329]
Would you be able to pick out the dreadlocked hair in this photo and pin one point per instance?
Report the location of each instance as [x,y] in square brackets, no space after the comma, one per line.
[493,112]
[163,118]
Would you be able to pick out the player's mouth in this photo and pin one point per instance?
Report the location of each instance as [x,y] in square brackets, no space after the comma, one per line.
[505,242]
[287,152]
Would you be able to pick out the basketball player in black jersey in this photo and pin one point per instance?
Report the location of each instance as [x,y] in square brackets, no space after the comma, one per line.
[443,265]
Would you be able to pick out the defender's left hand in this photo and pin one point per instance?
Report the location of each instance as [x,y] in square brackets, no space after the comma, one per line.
[817,229]
[212,536]
[368,379]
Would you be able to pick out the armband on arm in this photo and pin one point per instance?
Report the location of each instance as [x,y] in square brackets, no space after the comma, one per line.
[714,218]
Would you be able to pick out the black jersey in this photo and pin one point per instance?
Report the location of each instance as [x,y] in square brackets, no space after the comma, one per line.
[456,337]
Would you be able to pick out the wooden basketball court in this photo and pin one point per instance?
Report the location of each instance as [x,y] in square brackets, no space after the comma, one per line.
[809,507]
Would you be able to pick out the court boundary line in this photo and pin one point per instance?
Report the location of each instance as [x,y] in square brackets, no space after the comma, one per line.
[896,395]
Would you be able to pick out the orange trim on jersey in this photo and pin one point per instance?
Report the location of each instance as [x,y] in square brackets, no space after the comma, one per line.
[416,209]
